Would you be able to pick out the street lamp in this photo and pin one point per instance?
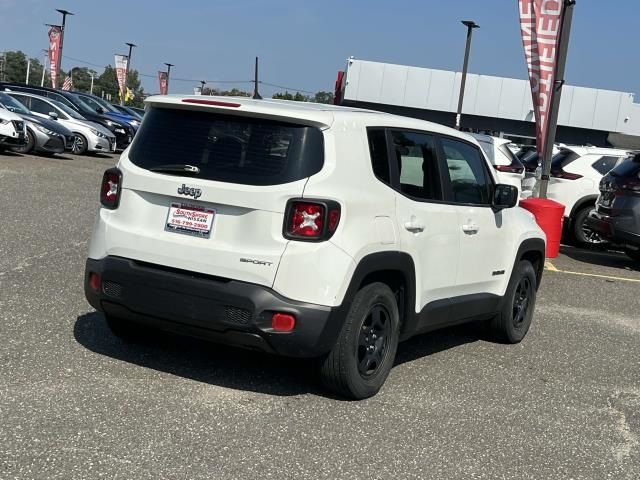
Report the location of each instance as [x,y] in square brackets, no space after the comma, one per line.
[470,24]
[64,18]
[126,71]
[169,65]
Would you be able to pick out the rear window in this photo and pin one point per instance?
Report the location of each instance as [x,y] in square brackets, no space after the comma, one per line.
[562,159]
[515,162]
[629,168]
[228,148]
[604,164]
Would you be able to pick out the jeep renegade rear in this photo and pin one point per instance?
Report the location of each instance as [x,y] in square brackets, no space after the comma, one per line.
[308,230]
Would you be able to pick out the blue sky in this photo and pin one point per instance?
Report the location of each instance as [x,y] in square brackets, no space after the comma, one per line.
[302,44]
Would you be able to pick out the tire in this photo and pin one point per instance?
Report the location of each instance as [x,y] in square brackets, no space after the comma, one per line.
[80,144]
[512,323]
[28,147]
[583,235]
[633,255]
[128,331]
[363,355]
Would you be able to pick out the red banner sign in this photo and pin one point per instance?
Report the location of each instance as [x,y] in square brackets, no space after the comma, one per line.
[121,72]
[162,80]
[55,33]
[540,25]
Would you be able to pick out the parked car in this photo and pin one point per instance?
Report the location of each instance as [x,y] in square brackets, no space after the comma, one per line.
[617,213]
[13,131]
[103,107]
[139,111]
[88,136]
[531,161]
[575,175]
[128,111]
[308,230]
[122,131]
[508,168]
[42,135]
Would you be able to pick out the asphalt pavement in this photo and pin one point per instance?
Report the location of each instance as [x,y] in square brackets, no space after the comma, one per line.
[77,403]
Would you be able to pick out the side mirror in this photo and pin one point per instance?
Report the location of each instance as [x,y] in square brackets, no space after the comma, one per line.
[504,196]
[100,110]
[53,115]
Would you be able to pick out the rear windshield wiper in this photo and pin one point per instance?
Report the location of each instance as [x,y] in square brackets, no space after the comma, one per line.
[176,168]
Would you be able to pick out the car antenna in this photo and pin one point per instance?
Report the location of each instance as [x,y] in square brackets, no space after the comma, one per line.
[256,95]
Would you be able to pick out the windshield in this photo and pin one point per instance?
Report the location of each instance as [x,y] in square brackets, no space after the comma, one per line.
[82,106]
[97,102]
[228,148]
[13,105]
[69,111]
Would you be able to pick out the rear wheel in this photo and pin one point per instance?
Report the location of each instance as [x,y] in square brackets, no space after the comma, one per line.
[79,145]
[28,146]
[582,233]
[128,331]
[361,359]
[513,322]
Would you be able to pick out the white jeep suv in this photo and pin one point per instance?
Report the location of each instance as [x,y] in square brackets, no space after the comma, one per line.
[308,230]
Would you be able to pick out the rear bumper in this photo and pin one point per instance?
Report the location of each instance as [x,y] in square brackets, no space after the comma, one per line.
[609,228]
[211,308]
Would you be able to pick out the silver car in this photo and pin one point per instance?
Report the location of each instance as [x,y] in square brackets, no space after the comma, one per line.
[89,137]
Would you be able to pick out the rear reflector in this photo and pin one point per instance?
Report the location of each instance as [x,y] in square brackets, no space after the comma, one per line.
[94,281]
[283,322]
[210,102]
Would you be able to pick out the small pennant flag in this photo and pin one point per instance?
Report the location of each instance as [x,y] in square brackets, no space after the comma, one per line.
[68,83]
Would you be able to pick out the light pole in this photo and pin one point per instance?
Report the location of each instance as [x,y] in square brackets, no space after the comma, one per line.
[470,24]
[126,71]
[202,84]
[256,94]
[64,18]
[169,65]
[44,65]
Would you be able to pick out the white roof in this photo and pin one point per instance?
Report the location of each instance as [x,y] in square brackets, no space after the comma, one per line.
[596,151]
[320,114]
[491,139]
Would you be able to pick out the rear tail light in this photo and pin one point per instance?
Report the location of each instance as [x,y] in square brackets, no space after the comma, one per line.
[566,175]
[94,281]
[111,188]
[311,220]
[510,168]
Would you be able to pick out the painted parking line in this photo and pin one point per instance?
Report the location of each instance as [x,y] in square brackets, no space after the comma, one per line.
[552,268]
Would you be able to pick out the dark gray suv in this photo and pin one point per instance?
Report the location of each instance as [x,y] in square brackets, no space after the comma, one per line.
[617,213]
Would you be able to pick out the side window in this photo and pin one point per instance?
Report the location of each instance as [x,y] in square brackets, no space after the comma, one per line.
[605,164]
[379,155]
[40,106]
[26,101]
[467,171]
[417,160]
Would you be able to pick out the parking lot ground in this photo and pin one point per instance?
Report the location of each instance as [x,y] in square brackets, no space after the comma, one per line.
[77,403]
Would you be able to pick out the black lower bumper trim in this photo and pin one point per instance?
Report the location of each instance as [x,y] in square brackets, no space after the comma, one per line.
[211,308]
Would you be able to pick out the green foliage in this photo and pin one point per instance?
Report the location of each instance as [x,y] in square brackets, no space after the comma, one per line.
[15,69]
[298,97]
[234,92]
[323,97]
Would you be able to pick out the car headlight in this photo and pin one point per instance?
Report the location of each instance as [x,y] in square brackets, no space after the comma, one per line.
[119,130]
[97,133]
[135,123]
[44,130]
[4,122]
[109,123]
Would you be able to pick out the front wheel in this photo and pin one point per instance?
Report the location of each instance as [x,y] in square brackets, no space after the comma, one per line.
[361,359]
[512,323]
[79,145]
[28,146]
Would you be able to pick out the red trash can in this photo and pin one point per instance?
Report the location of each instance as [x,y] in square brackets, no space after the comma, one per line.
[549,215]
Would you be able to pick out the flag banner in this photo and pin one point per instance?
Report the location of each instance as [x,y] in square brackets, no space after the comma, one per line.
[121,72]
[540,25]
[55,33]
[162,79]
[68,83]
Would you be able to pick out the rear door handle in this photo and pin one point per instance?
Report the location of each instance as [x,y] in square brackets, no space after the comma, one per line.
[414,227]
[470,229]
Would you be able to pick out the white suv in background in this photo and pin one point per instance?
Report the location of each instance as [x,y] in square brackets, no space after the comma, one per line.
[308,230]
[12,129]
[575,178]
[508,168]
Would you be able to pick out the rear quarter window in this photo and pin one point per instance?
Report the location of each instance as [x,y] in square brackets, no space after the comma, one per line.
[228,148]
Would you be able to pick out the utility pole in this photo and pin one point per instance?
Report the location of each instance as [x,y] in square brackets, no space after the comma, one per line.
[470,24]
[126,71]
[202,84]
[28,71]
[563,48]
[91,90]
[256,95]
[64,18]
[169,65]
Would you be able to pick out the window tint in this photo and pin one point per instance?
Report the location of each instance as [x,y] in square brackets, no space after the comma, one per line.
[379,155]
[630,167]
[605,164]
[39,106]
[228,148]
[417,165]
[26,101]
[466,169]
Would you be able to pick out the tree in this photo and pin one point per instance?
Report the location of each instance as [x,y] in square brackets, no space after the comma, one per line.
[107,86]
[323,97]
[298,97]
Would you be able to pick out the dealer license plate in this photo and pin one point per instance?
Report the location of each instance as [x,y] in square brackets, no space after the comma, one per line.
[190,220]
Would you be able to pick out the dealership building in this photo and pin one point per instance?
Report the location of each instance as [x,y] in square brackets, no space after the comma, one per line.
[502,106]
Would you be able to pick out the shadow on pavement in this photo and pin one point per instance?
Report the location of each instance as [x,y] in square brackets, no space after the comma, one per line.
[599,257]
[236,368]
[10,153]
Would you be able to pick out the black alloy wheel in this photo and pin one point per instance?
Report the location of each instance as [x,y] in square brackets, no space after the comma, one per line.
[373,340]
